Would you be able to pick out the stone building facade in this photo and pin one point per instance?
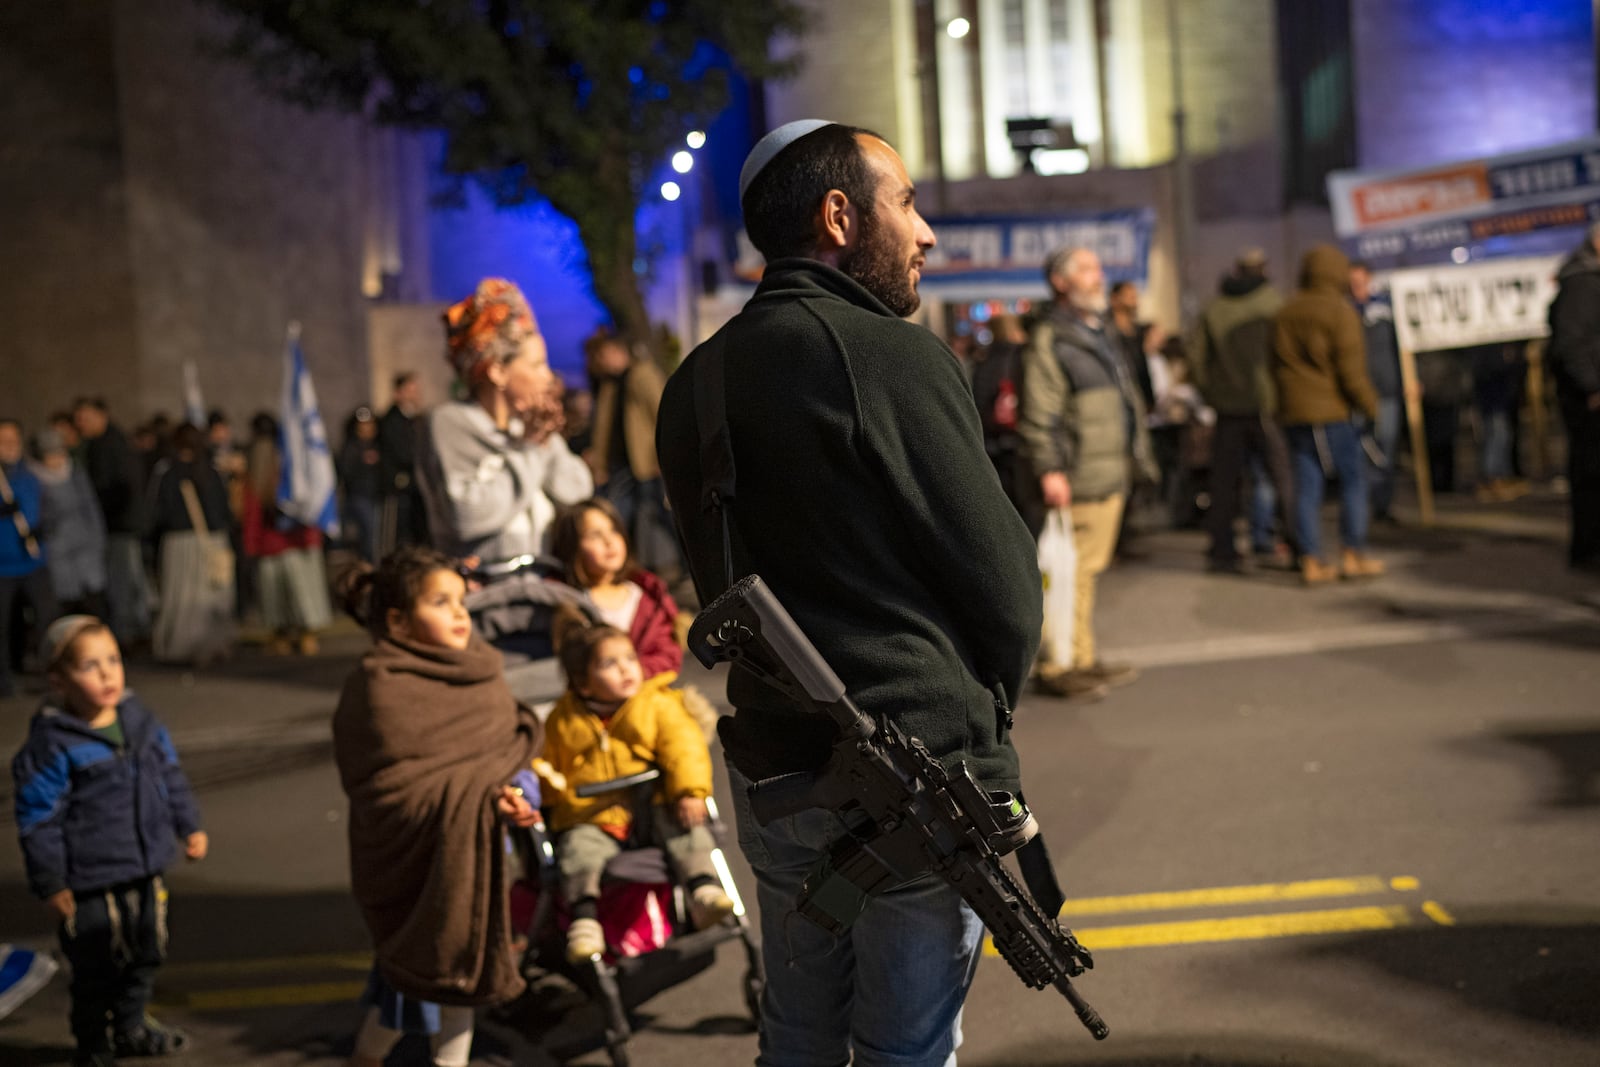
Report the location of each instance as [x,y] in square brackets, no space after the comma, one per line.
[162,209]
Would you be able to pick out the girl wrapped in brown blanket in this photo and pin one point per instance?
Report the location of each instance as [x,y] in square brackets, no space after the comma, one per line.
[433,753]
[426,738]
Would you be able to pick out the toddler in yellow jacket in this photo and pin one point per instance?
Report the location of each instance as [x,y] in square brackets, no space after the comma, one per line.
[611,723]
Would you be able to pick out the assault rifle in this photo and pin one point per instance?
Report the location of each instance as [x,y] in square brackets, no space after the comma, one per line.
[904,812]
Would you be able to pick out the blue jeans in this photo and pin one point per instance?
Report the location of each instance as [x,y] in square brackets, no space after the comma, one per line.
[1263,507]
[888,992]
[1315,452]
[1386,434]
[1494,460]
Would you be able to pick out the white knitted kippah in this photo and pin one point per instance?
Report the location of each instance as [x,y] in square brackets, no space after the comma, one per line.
[773,143]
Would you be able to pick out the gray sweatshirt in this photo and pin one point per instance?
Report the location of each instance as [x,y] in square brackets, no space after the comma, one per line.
[488,492]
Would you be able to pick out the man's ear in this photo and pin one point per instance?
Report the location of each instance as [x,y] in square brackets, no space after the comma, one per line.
[838,222]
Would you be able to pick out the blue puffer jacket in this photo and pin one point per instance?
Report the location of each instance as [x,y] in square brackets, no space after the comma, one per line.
[91,815]
[15,559]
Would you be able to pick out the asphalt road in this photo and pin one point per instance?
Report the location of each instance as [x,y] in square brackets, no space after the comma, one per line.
[1348,826]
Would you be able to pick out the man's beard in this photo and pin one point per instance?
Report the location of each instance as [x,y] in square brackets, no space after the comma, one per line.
[1088,301]
[877,266]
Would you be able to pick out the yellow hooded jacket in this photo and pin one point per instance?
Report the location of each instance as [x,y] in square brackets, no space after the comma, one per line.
[653,728]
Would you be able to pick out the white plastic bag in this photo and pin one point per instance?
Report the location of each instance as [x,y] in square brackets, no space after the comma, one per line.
[1058,565]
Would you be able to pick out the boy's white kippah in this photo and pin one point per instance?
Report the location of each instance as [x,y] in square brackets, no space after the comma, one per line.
[59,635]
[773,143]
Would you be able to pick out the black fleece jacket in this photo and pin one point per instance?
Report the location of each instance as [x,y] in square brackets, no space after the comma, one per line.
[1575,325]
[865,500]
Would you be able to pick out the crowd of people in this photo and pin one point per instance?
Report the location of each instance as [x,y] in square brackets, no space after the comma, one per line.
[172,535]
[912,567]
[1264,406]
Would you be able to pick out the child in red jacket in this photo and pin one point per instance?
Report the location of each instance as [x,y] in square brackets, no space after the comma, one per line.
[593,550]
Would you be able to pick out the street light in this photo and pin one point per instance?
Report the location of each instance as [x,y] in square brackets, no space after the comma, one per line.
[958,28]
[670,191]
[682,162]
[696,139]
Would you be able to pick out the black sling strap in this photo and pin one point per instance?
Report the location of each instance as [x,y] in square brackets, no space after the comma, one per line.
[717,480]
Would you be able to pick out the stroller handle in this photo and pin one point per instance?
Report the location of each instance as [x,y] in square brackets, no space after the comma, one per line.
[594,789]
[494,570]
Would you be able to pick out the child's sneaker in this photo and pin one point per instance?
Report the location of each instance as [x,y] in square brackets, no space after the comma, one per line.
[585,940]
[150,1039]
[709,905]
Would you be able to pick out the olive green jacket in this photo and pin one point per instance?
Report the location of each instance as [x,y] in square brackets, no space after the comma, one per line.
[1079,413]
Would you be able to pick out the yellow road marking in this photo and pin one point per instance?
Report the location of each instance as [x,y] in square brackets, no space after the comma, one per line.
[1404,883]
[331,961]
[1239,928]
[1435,911]
[1222,896]
[266,996]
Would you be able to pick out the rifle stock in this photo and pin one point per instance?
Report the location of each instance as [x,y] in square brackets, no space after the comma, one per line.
[919,816]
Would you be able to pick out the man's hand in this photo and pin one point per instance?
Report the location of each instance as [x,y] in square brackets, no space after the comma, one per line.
[691,812]
[196,845]
[1057,493]
[61,905]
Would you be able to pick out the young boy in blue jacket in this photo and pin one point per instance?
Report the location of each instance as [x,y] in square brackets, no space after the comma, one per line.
[101,803]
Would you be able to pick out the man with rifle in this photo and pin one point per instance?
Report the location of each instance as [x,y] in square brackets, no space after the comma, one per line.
[866,503]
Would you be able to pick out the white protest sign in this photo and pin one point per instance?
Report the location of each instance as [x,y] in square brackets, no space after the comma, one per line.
[1450,306]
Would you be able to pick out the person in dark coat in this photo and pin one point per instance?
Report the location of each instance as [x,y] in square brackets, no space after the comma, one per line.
[997,387]
[1574,357]
[361,477]
[867,504]
[119,481]
[190,526]
[403,519]
[1383,367]
[1232,345]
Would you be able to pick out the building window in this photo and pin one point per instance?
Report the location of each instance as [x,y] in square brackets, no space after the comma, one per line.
[1039,61]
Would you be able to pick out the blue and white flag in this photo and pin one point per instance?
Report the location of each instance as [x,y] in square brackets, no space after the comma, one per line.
[23,973]
[194,404]
[306,485]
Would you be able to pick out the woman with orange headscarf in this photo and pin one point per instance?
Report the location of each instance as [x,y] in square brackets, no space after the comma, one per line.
[492,468]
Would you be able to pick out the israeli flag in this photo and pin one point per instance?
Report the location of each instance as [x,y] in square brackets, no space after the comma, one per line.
[23,973]
[306,485]
[194,404]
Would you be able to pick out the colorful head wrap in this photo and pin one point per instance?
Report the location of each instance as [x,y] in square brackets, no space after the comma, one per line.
[488,326]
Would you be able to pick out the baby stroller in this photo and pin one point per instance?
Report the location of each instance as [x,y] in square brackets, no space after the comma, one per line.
[513,609]
[651,944]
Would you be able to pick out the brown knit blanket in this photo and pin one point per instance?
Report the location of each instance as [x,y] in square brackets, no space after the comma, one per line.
[424,738]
